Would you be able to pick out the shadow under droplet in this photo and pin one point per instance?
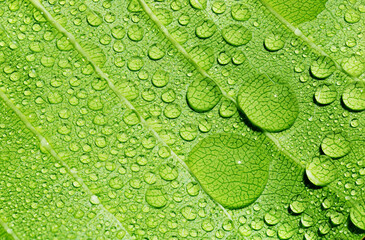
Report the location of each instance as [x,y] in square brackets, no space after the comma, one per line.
[247,121]
[308,183]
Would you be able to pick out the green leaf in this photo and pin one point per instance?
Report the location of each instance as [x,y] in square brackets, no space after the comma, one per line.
[182,119]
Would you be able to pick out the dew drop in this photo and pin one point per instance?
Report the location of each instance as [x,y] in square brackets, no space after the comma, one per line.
[354,96]
[203,95]
[240,12]
[335,145]
[205,29]
[236,35]
[325,94]
[155,197]
[321,171]
[274,42]
[357,215]
[322,68]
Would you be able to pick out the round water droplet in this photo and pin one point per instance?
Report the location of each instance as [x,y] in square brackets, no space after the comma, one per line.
[323,67]
[156,52]
[189,213]
[352,16]
[272,217]
[130,117]
[168,172]
[168,95]
[95,104]
[135,33]
[223,58]
[286,230]
[325,94]
[227,109]
[274,42]
[172,111]
[219,7]
[337,218]
[240,12]
[163,15]
[229,168]
[298,204]
[118,32]
[192,188]
[198,4]
[306,220]
[357,215]
[354,65]
[335,145]
[236,35]
[94,19]
[203,56]
[189,132]
[268,103]
[135,63]
[203,95]
[321,171]
[160,78]
[205,29]
[354,96]
[156,197]
[116,183]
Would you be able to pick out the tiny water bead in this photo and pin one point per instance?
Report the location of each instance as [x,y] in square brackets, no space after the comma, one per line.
[274,42]
[203,95]
[323,67]
[268,103]
[229,168]
[236,35]
[354,96]
[321,171]
[335,145]
[325,94]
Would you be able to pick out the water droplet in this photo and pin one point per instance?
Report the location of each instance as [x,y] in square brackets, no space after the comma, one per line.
[135,33]
[198,4]
[335,145]
[203,56]
[130,117]
[135,63]
[299,204]
[238,58]
[233,185]
[188,132]
[223,58]
[116,183]
[236,35]
[325,94]
[323,67]
[357,215]
[168,172]
[189,213]
[205,29]
[156,52]
[160,78]
[118,32]
[94,19]
[337,218]
[353,65]
[354,123]
[172,111]
[352,16]
[193,188]
[354,96]
[274,42]
[207,225]
[240,12]
[219,7]
[272,217]
[155,197]
[227,108]
[268,103]
[321,171]
[203,95]
[168,95]
[286,230]
[94,200]
[163,15]
[306,220]
[95,104]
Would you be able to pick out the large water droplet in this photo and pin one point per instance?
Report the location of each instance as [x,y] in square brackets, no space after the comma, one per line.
[203,95]
[229,168]
[268,103]
[321,171]
[335,145]
[354,96]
